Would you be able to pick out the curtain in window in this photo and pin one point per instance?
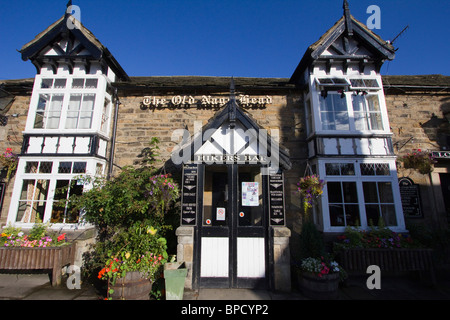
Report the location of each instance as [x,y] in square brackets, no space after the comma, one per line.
[367,113]
[54,112]
[80,111]
[87,111]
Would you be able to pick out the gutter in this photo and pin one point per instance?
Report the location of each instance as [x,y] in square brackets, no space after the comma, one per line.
[113,138]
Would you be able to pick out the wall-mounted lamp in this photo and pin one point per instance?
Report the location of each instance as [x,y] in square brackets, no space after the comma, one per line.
[342,92]
[324,93]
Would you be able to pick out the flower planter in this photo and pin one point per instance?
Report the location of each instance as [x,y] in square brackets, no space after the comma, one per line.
[396,260]
[38,258]
[320,288]
[135,286]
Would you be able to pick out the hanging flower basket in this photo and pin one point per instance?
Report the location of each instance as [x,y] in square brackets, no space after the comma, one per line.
[418,160]
[9,161]
[310,188]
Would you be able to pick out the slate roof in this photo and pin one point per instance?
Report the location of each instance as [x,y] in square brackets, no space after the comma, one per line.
[32,49]
[138,85]
[352,28]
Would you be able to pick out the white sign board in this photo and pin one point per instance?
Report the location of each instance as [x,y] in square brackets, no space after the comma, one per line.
[250,194]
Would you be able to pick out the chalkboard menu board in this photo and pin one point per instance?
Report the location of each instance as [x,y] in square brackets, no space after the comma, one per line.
[410,194]
[189,195]
[276,199]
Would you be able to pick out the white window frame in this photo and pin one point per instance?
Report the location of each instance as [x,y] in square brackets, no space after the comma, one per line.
[317,90]
[53,177]
[359,179]
[97,114]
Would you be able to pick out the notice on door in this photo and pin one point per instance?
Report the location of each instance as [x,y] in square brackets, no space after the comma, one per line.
[220,214]
[250,194]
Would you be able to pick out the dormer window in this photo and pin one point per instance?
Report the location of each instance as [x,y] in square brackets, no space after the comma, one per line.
[349,104]
[66,103]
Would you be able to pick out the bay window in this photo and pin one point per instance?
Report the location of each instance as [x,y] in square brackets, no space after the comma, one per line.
[359,195]
[43,188]
[352,105]
[68,104]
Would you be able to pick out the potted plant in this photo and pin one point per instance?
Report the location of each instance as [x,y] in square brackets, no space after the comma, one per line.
[419,160]
[131,270]
[318,274]
[320,278]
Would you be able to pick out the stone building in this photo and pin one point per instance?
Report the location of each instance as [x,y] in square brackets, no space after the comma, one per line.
[240,146]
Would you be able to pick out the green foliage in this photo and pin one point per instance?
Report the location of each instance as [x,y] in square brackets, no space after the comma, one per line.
[375,237]
[38,231]
[311,241]
[130,212]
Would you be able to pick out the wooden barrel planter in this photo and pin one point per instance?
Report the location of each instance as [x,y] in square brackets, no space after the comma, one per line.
[47,259]
[135,286]
[320,288]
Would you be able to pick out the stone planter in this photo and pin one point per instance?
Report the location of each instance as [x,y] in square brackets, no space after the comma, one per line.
[49,258]
[135,286]
[320,288]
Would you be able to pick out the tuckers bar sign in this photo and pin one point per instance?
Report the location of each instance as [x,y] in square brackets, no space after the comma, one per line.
[187,101]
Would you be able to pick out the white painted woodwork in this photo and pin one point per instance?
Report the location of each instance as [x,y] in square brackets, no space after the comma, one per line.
[222,140]
[214,257]
[251,258]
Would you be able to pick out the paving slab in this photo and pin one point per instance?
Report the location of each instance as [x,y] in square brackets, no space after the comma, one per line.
[38,287]
[19,286]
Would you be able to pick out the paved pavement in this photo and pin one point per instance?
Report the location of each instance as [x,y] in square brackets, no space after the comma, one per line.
[37,287]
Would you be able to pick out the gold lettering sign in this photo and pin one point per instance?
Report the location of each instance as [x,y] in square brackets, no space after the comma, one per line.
[203,102]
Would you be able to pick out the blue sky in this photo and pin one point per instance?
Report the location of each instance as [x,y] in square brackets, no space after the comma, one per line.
[240,38]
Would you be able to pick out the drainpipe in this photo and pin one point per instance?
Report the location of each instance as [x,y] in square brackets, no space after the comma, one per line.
[113,138]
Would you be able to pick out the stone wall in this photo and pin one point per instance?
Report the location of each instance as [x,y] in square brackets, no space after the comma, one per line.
[11,137]
[136,127]
[417,121]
